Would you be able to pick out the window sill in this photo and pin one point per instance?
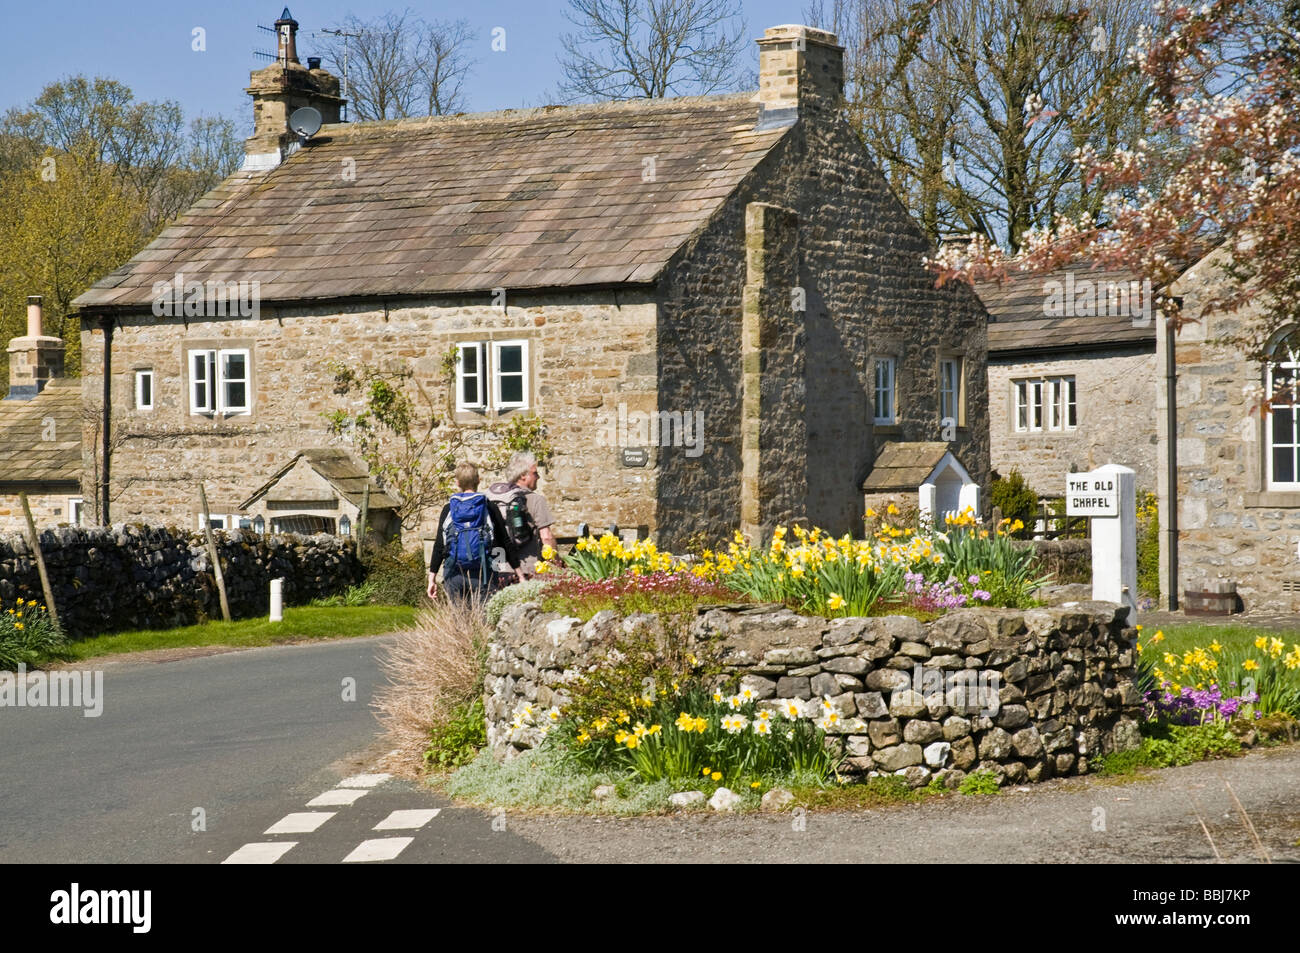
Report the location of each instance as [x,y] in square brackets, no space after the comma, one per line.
[1273,499]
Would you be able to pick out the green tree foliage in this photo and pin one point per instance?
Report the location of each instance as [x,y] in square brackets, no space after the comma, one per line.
[88,176]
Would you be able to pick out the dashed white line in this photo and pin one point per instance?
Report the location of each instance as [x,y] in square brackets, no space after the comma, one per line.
[364,780]
[338,797]
[381,848]
[301,823]
[407,820]
[261,853]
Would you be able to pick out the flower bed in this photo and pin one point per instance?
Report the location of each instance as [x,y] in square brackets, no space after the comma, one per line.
[816,574]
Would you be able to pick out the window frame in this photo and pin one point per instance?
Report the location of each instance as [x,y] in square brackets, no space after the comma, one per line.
[76,508]
[215,381]
[461,405]
[495,373]
[958,390]
[1045,404]
[1293,363]
[890,390]
[142,374]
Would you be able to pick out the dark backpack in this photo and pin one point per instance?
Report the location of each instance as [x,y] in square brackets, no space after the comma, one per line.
[467,533]
[514,513]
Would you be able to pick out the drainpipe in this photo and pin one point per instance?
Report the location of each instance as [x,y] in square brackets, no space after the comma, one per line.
[1171,459]
[106,323]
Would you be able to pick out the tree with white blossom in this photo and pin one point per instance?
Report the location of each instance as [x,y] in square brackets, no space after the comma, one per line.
[1225,82]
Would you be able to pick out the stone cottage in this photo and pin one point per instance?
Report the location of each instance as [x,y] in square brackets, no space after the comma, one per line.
[1072,376]
[715,303]
[40,432]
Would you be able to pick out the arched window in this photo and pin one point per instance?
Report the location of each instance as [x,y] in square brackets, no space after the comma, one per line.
[345,526]
[1282,429]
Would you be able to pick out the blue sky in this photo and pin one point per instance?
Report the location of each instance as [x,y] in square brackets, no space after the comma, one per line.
[146,44]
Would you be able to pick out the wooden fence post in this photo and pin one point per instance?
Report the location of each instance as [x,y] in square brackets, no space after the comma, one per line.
[40,560]
[212,554]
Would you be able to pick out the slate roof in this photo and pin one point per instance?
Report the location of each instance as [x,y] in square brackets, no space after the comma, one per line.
[338,468]
[903,466]
[540,198]
[1017,322]
[29,462]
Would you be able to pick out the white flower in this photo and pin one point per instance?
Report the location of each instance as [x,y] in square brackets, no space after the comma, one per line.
[553,713]
[792,708]
[829,721]
[734,723]
[735,701]
[762,726]
[747,694]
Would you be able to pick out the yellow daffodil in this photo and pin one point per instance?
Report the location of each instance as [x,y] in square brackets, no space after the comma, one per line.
[1250,665]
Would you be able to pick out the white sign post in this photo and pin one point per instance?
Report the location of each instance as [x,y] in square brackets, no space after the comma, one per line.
[1109,494]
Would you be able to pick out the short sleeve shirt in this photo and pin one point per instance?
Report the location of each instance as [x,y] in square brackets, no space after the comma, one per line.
[540,511]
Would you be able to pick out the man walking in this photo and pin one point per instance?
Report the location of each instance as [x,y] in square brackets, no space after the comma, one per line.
[525,512]
[471,535]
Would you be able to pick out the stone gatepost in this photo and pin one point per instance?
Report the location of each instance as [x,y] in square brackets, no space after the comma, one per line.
[773,424]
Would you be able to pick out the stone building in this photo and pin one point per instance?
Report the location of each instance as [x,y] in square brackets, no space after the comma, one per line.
[40,432]
[715,303]
[1237,494]
[1072,376]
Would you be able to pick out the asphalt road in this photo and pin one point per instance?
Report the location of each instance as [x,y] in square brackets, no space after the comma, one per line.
[242,737]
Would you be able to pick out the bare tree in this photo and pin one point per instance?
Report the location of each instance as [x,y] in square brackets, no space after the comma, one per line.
[632,49]
[400,65]
[974,108]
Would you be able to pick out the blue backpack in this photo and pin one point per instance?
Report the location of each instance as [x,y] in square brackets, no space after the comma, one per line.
[467,533]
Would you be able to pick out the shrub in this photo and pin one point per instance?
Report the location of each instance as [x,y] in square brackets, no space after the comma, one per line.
[28,636]
[399,577]
[1148,545]
[435,671]
[979,782]
[1177,745]
[458,739]
[1016,500]
[510,595]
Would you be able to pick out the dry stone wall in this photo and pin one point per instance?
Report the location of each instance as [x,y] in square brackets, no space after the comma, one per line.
[133,576]
[1027,695]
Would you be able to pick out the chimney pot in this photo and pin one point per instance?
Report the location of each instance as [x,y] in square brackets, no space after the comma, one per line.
[313,62]
[34,316]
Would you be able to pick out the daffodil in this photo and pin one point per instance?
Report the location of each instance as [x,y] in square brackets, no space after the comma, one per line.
[835,601]
[1250,665]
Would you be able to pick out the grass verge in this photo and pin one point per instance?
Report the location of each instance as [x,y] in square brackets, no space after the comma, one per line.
[304,622]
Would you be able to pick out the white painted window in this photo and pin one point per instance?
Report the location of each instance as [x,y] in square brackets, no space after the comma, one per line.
[76,509]
[1048,403]
[883,399]
[144,389]
[220,381]
[950,396]
[492,374]
[470,392]
[510,374]
[215,520]
[1282,429]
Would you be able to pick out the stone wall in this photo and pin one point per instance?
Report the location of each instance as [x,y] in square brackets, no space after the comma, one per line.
[588,354]
[1028,695]
[1115,396]
[134,576]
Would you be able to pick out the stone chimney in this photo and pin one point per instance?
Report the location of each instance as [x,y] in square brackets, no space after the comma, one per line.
[800,74]
[279,89]
[34,359]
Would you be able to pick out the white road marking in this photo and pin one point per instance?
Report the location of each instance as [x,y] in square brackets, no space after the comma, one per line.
[261,853]
[364,780]
[338,797]
[381,848]
[301,823]
[407,820]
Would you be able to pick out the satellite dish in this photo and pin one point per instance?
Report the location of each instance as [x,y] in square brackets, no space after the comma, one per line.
[305,121]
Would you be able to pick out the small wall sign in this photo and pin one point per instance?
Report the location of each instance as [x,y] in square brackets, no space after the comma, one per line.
[635,456]
[1091,494]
